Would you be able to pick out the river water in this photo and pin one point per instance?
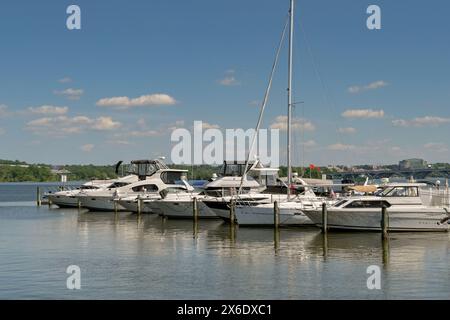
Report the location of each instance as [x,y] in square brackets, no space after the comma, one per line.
[124,256]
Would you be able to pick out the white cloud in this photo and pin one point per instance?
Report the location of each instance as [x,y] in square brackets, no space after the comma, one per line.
[176,125]
[255,103]
[47,109]
[296,124]
[105,123]
[309,144]
[145,100]
[87,147]
[371,86]
[421,121]
[348,130]
[229,79]
[2,131]
[436,146]
[72,94]
[341,147]
[63,125]
[65,80]
[120,142]
[4,111]
[206,125]
[144,133]
[363,113]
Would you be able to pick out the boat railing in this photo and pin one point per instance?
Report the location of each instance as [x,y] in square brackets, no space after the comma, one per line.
[435,197]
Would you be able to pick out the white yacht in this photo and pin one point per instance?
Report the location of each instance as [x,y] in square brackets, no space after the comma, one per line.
[148,179]
[219,193]
[406,211]
[291,212]
[178,203]
[68,198]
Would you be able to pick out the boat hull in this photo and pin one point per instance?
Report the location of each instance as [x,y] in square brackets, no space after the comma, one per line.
[369,219]
[63,201]
[132,205]
[100,203]
[263,215]
[182,209]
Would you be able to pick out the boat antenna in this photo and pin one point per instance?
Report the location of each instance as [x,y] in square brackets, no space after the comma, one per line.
[264,103]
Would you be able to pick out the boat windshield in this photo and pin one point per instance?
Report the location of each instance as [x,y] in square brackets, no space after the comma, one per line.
[232,170]
[88,187]
[118,185]
[400,191]
[340,203]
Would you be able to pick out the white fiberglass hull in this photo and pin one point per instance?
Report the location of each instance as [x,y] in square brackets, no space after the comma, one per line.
[221,205]
[100,203]
[132,205]
[263,215]
[64,199]
[182,209]
[400,219]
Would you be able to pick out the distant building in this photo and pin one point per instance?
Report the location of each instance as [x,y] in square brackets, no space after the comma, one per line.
[412,164]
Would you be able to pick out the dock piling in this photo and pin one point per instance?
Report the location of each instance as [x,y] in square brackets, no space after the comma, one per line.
[324,218]
[139,205]
[276,215]
[38,197]
[384,221]
[195,209]
[232,211]
[195,216]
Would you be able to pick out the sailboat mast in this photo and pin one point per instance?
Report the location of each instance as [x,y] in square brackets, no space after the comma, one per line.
[291,37]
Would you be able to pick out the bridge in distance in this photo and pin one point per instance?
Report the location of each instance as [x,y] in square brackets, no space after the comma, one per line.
[404,173]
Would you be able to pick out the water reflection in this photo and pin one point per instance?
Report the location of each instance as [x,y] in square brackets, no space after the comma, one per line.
[127,255]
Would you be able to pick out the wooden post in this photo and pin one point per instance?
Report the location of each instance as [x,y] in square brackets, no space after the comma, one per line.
[324,218]
[79,203]
[385,246]
[115,206]
[195,215]
[195,209]
[139,205]
[384,221]
[232,211]
[38,197]
[49,202]
[325,244]
[276,215]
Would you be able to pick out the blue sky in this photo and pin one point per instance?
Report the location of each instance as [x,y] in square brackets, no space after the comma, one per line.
[369,96]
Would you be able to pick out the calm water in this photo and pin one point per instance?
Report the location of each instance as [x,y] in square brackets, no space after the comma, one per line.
[126,257]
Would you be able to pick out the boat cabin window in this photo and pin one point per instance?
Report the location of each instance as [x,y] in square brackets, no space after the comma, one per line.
[172,177]
[232,170]
[340,203]
[145,188]
[88,187]
[368,204]
[118,185]
[403,191]
[224,192]
[176,190]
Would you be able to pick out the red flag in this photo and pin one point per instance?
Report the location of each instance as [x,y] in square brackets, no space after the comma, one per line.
[318,169]
[311,166]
